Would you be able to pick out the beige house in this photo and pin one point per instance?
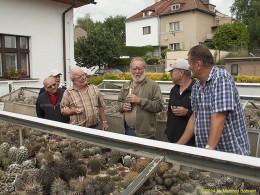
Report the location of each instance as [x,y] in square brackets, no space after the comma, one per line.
[174,24]
[78,33]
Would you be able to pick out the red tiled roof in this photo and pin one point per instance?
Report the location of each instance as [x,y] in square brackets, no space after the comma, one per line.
[78,3]
[163,7]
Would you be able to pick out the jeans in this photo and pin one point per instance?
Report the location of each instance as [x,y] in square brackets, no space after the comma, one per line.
[130,131]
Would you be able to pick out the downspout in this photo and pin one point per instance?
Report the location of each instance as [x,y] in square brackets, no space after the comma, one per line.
[64,42]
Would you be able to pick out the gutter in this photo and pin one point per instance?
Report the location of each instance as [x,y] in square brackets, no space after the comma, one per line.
[64,42]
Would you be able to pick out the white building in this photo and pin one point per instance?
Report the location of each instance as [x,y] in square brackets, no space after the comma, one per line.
[37,36]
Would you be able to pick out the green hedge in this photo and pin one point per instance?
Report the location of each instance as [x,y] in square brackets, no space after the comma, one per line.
[161,77]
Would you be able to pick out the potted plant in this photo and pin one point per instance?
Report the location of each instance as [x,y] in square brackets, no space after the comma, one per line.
[13,73]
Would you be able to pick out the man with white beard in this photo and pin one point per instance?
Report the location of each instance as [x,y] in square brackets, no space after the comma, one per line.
[139,100]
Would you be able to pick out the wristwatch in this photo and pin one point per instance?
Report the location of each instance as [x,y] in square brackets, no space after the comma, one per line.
[208,147]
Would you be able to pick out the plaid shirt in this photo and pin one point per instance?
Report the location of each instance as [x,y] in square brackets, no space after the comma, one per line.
[219,94]
[90,100]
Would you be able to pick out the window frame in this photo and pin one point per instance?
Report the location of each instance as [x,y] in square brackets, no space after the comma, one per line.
[176,6]
[19,53]
[175,46]
[172,26]
[146,30]
[234,69]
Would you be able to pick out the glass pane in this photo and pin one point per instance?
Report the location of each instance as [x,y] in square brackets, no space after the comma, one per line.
[1,70]
[25,64]
[11,60]
[0,41]
[23,42]
[10,42]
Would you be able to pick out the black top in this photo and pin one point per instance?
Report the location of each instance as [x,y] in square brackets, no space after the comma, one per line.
[45,108]
[176,125]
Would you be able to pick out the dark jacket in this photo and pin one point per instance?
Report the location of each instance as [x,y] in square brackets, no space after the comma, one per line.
[45,108]
[176,125]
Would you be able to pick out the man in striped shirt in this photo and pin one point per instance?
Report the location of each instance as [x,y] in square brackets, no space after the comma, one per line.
[218,120]
[83,102]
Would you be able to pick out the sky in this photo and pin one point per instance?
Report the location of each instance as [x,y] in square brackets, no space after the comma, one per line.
[106,8]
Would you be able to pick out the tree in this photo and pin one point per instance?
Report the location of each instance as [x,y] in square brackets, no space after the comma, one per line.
[231,36]
[85,23]
[248,11]
[100,48]
[116,26]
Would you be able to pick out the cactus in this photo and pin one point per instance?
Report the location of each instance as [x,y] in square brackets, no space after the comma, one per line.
[4,148]
[115,156]
[94,164]
[78,185]
[27,164]
[15,168]
[22,154]
[33,188]
[12,153]
[59,187]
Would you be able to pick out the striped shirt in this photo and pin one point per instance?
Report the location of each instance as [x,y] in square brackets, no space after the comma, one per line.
[89,99]
[219,94]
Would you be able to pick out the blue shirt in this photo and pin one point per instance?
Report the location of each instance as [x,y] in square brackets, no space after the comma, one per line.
[219,94]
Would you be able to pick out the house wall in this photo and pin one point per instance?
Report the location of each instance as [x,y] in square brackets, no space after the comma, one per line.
[249,66]
[194,27]
[173,55]
[134,32]
[41,20]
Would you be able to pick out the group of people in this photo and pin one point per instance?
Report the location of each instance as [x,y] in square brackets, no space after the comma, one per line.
[205,112]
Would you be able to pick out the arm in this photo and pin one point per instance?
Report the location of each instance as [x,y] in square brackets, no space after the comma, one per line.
[188,133]
[155,104]
[216,128]
[102,117]
[39,112]
[65,106]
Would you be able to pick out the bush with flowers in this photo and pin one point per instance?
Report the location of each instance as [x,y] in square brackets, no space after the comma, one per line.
[13,72]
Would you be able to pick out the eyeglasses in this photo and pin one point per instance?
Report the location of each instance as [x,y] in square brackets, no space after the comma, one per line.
[53,85]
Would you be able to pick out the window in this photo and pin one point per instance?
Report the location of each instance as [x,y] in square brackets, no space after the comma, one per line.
[147,13]
[176,7]
[175,26]
[146,30]
[175,46]
[234,69]
[14,51]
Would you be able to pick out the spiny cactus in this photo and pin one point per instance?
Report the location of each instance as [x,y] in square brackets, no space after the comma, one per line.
[12,153]
[78,185]
[59,187]
[4,148]
[94,164]
[22,154]
[15,168]
[33,188]
[115,156]
[27,164]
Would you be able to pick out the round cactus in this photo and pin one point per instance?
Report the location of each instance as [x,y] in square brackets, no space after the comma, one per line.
[12,153]
[94,164]
[4,148]
[22,154]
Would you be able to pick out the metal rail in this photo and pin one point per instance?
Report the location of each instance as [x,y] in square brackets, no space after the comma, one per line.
[246,167]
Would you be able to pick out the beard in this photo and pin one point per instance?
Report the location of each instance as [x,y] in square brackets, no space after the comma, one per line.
[138,79]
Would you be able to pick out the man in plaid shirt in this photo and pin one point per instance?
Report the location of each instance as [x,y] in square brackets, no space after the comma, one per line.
[218,120]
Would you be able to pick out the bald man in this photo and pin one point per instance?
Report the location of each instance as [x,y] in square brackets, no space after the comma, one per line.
[83,102]
[48,103]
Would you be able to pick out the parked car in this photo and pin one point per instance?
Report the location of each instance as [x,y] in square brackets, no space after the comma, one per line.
[108,70]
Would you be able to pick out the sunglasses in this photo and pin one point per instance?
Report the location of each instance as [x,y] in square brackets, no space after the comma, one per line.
[53,85]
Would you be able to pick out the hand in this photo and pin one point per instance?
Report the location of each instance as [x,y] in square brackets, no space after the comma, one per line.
[133,98]
[78,110]
[127,107]
[105,126]
[180,111]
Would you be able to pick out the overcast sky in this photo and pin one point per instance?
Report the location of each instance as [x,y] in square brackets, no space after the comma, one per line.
[106,8]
